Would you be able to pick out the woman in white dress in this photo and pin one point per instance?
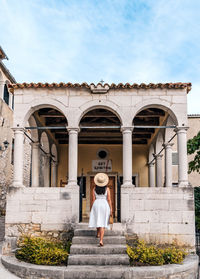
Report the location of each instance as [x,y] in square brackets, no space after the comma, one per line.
[101,205]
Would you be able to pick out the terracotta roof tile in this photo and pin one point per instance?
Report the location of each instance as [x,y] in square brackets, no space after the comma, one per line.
[177,85]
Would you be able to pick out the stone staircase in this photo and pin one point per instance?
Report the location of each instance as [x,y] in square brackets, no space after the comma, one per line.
[87,260]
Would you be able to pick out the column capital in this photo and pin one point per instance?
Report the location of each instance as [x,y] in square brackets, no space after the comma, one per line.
[18,130]
[127,129]
[168,144]
[54,163]
[35,144]
[181,129]
[73,130]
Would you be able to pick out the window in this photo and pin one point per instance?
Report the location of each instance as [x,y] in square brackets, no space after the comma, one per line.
[84,185]
[102,153]
[6,94]
[12,152]
[13,102]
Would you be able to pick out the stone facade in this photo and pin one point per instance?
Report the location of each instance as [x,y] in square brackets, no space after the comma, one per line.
[6,134]
[157,214]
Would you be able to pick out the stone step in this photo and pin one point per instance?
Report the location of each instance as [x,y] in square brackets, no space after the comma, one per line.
[94,249]
[91,232]
[97,272]
[115,226]
[94,240]
[98,259]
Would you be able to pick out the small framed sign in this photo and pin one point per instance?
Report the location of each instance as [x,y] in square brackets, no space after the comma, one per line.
[102,165]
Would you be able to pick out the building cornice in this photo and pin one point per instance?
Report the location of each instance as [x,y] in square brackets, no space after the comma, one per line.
[103,87]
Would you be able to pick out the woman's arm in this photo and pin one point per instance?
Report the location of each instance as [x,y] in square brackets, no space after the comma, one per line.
[93,197]
[109,200]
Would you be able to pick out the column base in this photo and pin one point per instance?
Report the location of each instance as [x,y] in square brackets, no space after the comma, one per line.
[72,184]
[183,184]
[127,184]
[17,184]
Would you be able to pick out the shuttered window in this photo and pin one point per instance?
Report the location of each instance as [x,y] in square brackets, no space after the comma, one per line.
[6,94]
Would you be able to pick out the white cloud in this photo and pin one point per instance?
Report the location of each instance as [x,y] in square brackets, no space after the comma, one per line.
[119,41]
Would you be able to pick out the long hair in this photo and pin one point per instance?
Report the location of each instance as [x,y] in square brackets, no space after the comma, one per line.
[100,190]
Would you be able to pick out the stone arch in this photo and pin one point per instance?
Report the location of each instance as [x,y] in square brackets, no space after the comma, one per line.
[43,103]
[101,104]
[34,132]
[156,103]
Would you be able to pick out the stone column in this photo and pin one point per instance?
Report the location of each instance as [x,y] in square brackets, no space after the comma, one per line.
[151,174]
[127,155]
[168,164]
[18,157]
[46,170]
[35,164]
[159,170]
[182,156]
[73,156]
[54,173]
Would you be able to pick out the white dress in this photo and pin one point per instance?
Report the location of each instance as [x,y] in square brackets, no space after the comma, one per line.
[100,212]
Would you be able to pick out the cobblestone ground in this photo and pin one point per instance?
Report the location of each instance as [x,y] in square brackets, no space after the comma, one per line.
[2,227]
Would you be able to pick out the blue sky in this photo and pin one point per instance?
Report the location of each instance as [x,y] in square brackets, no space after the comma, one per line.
[114,40]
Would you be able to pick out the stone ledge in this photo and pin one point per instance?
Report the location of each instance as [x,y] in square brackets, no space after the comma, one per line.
[189,270]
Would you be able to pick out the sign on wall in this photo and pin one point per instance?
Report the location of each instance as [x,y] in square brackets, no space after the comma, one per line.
[102,165]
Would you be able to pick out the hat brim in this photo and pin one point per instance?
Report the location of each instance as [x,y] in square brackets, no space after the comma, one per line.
[103,183]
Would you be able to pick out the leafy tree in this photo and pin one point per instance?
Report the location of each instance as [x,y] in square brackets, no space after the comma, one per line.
[193,147]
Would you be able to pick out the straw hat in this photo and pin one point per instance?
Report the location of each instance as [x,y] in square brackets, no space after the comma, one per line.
[101,179]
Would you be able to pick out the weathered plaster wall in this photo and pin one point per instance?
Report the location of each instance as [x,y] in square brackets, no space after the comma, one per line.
[160,215]
[6,167]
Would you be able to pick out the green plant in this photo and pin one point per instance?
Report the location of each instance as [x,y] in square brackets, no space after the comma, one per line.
[197,207]
[143,254]
[42,251]
[193,147]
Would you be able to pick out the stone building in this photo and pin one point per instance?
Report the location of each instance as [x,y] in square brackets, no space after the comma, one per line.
[6,134]
[128,131]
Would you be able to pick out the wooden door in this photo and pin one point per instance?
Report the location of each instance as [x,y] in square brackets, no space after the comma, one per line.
[111,185]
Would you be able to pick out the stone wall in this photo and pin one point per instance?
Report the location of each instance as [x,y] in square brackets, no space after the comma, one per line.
[40,211]
[160,215]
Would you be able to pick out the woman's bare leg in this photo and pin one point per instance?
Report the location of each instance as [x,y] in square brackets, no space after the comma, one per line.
[101,235]
[98,232]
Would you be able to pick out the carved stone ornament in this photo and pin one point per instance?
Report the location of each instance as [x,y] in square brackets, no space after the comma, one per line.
[99,88]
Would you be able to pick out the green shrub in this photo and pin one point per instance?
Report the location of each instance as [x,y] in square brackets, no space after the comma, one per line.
[42,251]
[143,254]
